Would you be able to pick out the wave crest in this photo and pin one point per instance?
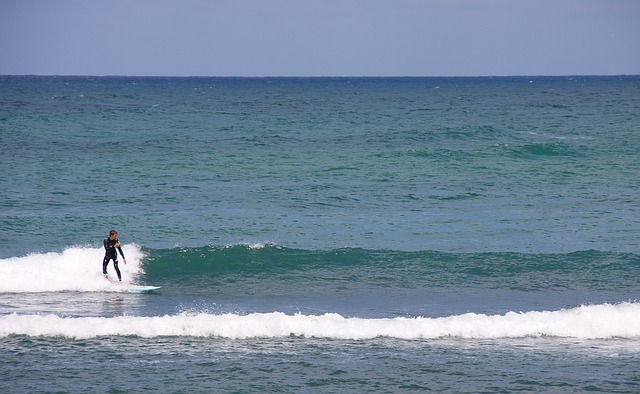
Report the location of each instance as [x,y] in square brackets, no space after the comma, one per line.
[74,269]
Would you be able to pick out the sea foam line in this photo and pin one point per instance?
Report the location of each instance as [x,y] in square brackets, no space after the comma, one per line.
[584,322]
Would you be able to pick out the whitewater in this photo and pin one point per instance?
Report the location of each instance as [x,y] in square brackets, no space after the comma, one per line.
[74,269]
[585,322]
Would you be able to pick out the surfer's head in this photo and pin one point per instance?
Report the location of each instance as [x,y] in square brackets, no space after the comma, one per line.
[113,234]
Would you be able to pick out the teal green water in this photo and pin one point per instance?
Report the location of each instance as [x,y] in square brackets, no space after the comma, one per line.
[452,164]
[321,234]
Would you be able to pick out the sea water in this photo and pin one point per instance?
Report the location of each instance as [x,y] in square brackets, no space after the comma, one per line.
[321,234]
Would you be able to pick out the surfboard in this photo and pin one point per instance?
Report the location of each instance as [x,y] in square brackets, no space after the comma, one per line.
[139,289]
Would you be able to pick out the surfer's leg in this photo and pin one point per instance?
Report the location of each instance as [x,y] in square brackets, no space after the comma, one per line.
[105,263]
[115,265]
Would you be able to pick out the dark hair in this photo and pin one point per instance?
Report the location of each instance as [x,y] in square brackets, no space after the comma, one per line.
[112,232]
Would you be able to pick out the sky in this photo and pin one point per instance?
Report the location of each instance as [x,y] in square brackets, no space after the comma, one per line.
[319,37]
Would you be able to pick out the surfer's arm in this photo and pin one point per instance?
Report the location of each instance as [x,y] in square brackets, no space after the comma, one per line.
[117,246]
[121,253]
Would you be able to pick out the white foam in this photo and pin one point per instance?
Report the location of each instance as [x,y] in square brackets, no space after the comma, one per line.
[75,269]
[585,322]
[253,245]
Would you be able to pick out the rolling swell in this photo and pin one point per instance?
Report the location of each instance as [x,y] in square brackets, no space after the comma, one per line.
[243,267]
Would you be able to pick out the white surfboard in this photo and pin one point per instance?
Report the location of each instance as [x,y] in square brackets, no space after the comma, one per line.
[139,289]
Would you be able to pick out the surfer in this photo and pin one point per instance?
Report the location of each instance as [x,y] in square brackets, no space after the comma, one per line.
[110,245]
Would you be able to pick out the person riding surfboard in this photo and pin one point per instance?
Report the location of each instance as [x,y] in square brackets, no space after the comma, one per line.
[111,243]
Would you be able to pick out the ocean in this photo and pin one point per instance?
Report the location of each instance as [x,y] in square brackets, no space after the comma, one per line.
[321,234]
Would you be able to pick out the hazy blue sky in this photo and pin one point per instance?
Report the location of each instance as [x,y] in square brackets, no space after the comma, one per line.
[319,38]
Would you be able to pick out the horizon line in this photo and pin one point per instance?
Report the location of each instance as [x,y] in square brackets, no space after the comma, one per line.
[317,76]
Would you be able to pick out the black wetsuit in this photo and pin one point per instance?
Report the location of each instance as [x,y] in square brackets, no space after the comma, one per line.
[110,254]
